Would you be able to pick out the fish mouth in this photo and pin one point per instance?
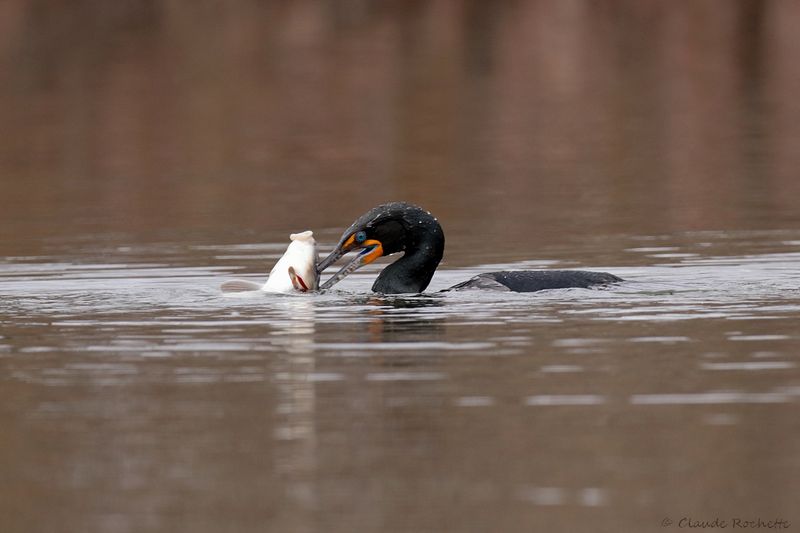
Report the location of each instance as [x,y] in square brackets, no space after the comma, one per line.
[370,251]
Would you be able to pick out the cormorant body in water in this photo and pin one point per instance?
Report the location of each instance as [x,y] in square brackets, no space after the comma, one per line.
[402,227]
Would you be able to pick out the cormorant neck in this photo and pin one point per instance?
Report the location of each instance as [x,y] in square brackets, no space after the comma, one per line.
[412,273]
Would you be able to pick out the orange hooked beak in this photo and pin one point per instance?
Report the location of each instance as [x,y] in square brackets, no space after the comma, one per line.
[371,249]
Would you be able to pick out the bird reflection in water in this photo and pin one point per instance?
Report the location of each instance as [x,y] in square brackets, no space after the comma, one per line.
[405,319]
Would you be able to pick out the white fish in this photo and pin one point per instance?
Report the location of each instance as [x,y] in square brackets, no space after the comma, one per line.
[296,270]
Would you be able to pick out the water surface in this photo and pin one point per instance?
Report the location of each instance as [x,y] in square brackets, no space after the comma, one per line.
[138,397]
[152,150]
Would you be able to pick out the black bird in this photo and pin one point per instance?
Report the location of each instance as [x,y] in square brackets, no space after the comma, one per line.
[402,227]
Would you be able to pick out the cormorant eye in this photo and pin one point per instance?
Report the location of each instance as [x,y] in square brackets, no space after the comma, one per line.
[361,237]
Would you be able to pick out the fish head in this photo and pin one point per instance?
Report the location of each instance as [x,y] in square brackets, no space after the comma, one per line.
[296,270]
[303,270]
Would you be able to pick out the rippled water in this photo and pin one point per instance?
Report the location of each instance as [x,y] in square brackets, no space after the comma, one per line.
[150,400]
[152,150]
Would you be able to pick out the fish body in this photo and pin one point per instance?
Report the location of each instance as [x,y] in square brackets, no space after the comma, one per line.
[295,271]
[297,268]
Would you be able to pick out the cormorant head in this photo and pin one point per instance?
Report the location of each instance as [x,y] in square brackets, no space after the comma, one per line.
[385,230]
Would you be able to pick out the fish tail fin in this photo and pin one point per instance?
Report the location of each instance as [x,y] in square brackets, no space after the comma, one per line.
[240,285]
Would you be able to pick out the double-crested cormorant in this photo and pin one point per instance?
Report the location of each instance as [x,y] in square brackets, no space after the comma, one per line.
[402,227]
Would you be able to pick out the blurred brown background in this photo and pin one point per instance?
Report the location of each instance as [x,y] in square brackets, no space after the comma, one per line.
[530,121]
[136,399]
